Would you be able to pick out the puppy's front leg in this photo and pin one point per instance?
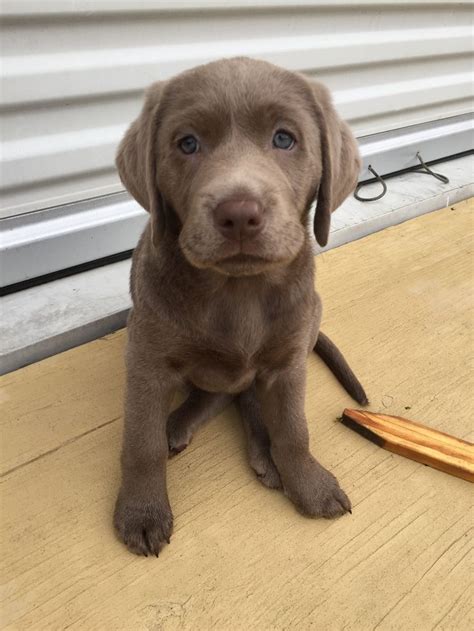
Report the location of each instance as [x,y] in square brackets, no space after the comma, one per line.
[308,484]
[143,517]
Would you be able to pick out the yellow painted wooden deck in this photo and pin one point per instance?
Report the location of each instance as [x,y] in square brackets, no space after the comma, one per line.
[399,305]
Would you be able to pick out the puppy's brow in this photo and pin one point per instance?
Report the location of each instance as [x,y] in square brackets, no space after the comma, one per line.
[199,113]
[199,117]
[277,109]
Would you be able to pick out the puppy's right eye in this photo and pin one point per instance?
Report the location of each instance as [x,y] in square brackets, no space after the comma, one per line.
[188,145]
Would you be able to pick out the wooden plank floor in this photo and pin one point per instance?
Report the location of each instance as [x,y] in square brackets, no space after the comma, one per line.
[399,303]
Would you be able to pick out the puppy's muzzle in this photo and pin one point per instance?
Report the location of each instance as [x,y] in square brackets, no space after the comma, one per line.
[239,219]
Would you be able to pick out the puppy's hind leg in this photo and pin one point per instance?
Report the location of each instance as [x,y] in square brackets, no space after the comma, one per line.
[258,441]
[197,409]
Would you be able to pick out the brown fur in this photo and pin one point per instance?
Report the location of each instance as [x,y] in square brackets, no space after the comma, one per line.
[235,319]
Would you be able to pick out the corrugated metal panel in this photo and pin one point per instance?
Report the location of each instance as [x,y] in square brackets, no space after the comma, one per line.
[73,72]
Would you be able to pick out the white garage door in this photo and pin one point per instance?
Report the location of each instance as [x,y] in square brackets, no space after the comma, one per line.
[73,72]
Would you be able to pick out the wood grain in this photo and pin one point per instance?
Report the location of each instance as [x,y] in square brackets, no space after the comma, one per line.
[399,304]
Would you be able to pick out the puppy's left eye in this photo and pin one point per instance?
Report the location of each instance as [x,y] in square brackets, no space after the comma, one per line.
[283,140]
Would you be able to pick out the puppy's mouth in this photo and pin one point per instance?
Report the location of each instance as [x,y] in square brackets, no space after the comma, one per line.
[244,265]
[242,258]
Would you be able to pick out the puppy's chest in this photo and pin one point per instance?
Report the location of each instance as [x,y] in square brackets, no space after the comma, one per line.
[242,327]
[236,344]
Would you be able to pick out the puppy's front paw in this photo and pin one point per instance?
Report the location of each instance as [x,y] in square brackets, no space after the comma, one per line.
[143,526]
[317,493]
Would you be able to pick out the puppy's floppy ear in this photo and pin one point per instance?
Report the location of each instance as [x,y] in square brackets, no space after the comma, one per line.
[340,161]
[136,160]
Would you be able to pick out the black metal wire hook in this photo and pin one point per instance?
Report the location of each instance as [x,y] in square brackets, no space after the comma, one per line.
[419,168]
[361,184]
[424,168]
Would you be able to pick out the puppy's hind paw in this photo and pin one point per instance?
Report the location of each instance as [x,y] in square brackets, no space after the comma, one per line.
[266,471]
[178,440]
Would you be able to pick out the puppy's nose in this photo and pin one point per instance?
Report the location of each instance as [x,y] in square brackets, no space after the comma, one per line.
[239,219]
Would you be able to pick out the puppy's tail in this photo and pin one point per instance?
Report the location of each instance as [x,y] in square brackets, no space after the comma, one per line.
[334,360]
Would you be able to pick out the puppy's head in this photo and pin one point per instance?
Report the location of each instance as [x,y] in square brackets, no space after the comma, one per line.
[231,155]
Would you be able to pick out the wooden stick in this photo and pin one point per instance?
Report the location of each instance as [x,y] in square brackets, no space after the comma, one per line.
[413,440]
